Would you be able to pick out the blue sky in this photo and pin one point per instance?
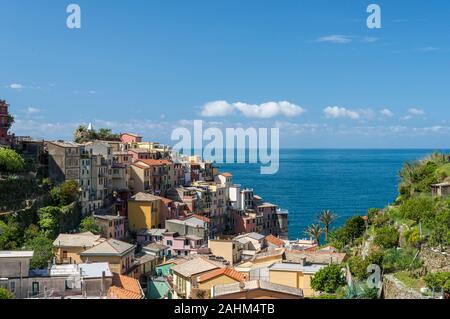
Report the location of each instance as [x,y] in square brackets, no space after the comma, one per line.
[150,66]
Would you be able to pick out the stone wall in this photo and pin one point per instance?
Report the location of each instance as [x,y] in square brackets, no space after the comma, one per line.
[435,261]
[394,289]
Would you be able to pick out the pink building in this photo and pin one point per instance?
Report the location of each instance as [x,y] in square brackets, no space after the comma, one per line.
[111,226]
[138,154]
[130,138]
[246,222]
[182,245]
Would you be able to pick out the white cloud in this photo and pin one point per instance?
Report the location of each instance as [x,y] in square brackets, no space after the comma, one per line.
[92,92]
[414,111]
[16,86]
[340,112]
[217,108]
[335,38]
[32,110]
[387,112]
[263,111]
[369,39]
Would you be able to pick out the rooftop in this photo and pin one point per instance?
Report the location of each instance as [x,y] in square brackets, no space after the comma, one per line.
[109,217]
[309,269]
[145,197]
[110,247]
[275,241]
[154,247]
[16,254]
[229,272]
[64,144]
[86,239]
[223,290]
[125,287]
[194,266]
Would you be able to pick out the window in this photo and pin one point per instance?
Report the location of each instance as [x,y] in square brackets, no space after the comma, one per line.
[12,287]
[64,254]
[35,288]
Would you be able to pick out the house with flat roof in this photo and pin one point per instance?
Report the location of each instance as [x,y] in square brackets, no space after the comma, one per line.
[295,275]
[255,289]
[67,247]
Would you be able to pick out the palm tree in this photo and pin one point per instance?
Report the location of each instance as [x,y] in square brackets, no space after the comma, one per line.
[327,217]
[315,231]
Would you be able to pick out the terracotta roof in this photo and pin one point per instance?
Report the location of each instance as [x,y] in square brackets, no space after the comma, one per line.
[203,218]
[275,241]
[125,287]
[227,174]
[166,200]
[153,162]
[233,274]
[140,166]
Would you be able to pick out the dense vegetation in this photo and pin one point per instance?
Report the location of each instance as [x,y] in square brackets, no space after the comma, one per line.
[394,237]
[83,134]
[37,211]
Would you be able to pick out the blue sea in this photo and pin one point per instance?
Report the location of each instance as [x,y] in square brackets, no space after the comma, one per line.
[348,182]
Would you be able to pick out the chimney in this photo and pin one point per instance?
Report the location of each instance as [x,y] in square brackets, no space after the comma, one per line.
[303,261]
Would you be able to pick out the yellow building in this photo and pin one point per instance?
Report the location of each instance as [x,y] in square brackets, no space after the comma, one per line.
[185,276]
[118,254]
[230,250]
[143,212]
[67,247]
[221,276]
[294,275]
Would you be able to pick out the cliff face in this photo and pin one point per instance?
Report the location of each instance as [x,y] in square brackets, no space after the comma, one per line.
[394,289]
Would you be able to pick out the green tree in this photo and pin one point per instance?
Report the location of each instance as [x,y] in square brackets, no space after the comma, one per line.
[43,251]
[10,235]
[358,267]
[327,217]
[418,208]
[48,220]
[328,279]
[5,294]
[10,161]
[355,227]
[69,191]
[315,231]
[88,224]
[386,237]
[438,281]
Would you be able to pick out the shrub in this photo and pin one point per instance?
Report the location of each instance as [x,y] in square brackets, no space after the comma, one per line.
[88,224]
[400,259]
[5,294]
[328,279]
[358,267]
[417,208]
[10,161]
[43,251]
[412,237]
[438,281]
[386,237]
